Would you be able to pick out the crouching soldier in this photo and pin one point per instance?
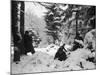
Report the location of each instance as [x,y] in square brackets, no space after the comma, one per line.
[28,43]
[78,42]
[60,54]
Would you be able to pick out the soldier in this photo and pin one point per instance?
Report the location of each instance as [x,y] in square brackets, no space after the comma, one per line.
[78,42]
[61,55]
[28,43]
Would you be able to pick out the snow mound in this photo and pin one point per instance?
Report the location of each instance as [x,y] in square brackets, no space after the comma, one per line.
[78,60]
[51,49]
[90,39]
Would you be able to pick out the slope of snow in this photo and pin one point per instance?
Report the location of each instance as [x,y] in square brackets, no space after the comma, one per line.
[44,62]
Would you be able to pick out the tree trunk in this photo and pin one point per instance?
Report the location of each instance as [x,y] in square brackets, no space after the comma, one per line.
[17,24]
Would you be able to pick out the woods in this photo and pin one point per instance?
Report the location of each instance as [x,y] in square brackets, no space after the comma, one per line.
[67,23]
[52,37]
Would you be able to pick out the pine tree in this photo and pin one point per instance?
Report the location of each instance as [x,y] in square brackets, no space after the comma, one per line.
[60,23]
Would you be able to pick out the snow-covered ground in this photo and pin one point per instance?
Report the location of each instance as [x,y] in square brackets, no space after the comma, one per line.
[43,61]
